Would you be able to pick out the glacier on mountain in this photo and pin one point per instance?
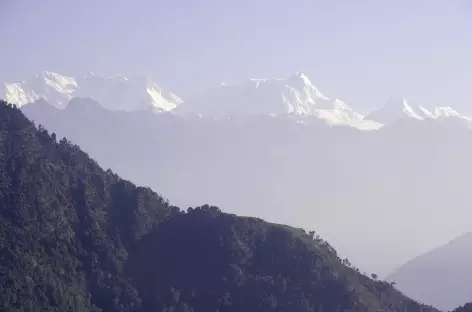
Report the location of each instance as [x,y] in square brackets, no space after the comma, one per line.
[113,93]
[294,96]
[398,108]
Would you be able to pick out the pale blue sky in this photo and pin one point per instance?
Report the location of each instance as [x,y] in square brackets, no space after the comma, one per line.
[360,51]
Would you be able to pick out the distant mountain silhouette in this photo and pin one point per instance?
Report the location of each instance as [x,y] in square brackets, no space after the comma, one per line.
[440,277]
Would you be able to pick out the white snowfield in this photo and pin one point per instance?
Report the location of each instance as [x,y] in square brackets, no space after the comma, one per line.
[113,93]
[295,96]
[398,108]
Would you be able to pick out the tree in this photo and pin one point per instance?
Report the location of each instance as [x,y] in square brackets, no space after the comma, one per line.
[312,234]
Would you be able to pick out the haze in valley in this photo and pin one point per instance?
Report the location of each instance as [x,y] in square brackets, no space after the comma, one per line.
[349,118]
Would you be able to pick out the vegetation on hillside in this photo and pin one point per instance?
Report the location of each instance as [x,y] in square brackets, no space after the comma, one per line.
[465,308]
[74,237]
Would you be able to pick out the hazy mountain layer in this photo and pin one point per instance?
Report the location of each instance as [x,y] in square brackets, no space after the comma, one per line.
[405,186]
[76,238]
[444,270]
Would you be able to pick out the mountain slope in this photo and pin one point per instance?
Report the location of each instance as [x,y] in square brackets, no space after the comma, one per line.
[310,175]
[75,238]
[441,277]
[295,96]
[65,224]
[251,265]
[465,308]
[398,108]
[114,93]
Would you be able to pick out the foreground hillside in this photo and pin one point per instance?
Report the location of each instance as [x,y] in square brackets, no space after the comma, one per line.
[443,270]
[76,238]
[307,174]
[65,224]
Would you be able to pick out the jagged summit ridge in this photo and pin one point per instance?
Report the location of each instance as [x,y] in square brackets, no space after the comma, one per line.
[295,96]
[398,108]
[112,92]
[50,86]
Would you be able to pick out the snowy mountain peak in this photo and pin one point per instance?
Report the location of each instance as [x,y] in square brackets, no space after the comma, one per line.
[294,96]
[397,103]
[300,79]
[398,108]
[446,111]
[50,86]
[114,93]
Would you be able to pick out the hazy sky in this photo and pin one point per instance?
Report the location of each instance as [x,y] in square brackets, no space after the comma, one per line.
[360,51]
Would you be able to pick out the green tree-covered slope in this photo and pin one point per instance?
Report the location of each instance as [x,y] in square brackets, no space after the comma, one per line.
[74,237]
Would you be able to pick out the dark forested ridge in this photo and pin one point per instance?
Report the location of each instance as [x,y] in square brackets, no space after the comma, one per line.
[76,238]
[465,308]
[65,224]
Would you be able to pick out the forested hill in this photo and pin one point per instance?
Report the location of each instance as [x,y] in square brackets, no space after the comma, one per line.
[465,308]
[66,226]
[76,238]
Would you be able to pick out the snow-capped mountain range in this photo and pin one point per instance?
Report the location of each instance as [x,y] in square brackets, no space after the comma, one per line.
[113,93]
[398,107]
[295,96]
